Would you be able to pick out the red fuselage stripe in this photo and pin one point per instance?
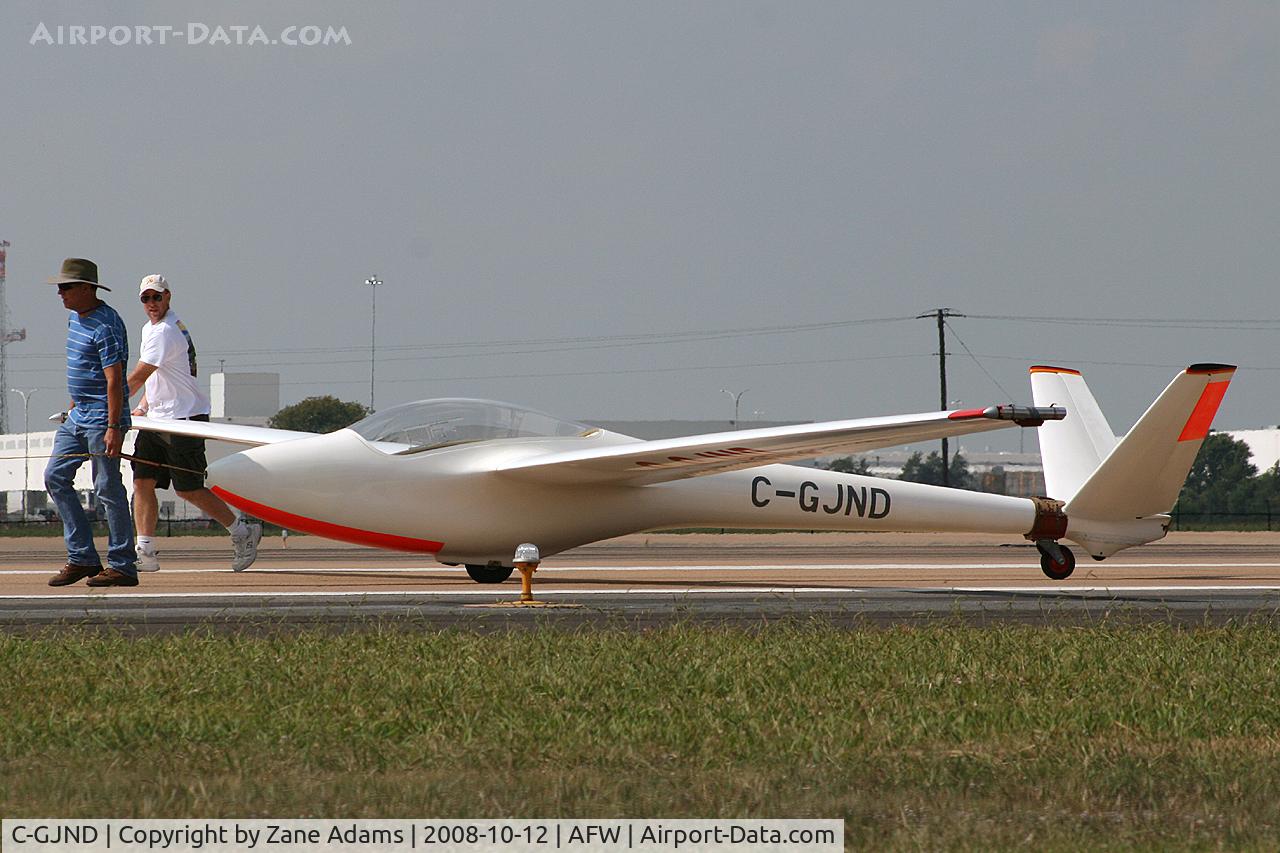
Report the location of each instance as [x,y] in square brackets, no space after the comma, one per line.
[327,529]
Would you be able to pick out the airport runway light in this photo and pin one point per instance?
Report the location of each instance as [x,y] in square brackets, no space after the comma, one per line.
[737,400]
[26,453]
[374,283]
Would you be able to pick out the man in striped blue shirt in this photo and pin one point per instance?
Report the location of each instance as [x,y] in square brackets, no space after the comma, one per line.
[97,349]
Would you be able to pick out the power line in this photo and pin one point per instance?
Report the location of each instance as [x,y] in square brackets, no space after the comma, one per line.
[577,343]
[678,369]
[565,344]
[980,364]
[1232,323]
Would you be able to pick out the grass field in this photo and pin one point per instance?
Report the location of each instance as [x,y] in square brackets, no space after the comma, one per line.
[937,737]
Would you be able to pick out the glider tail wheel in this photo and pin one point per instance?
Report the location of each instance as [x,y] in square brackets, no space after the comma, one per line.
[489,574]
[1056,561]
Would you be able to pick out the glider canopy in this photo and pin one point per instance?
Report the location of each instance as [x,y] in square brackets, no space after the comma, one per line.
[428,424]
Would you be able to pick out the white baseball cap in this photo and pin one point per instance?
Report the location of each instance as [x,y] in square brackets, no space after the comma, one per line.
[153,282]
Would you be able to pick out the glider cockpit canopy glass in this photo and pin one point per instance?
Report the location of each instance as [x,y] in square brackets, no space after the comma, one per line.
[428,424]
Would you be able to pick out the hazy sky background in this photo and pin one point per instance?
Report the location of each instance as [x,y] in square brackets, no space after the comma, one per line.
[553,176]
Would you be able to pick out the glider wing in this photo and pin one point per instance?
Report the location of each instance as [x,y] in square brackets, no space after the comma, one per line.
[234,433]
[644,462]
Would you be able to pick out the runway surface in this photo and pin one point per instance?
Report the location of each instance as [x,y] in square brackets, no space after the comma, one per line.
[642,581]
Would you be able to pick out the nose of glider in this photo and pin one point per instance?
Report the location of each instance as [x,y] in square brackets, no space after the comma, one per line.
[238,474]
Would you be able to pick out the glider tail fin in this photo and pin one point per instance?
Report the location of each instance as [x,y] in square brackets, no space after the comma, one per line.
[1117,491]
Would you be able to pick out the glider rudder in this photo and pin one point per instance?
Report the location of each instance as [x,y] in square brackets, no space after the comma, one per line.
[1072,448]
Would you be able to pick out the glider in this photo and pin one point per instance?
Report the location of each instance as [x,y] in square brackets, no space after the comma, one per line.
[468,480]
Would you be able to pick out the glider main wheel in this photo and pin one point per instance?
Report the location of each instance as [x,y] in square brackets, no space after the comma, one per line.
[1058,571]
[489,574]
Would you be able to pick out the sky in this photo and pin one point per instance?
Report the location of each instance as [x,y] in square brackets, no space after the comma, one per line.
[623,210]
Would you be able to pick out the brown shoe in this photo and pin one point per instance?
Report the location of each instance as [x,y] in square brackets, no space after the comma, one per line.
[71,573]
[110,577]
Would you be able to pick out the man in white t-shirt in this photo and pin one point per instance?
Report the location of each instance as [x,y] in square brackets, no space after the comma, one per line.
[167,367]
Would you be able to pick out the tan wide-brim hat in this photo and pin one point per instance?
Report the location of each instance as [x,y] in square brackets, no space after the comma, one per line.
[77,271]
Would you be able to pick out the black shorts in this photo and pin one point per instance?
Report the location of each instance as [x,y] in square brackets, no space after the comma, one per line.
[180,451]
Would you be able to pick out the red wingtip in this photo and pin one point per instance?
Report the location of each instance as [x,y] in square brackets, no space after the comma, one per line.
[1197,426]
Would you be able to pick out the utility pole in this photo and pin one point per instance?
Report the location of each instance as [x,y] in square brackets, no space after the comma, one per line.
[942,314]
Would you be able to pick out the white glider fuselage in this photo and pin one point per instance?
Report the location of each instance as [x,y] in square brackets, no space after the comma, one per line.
[468,480]
[450,502]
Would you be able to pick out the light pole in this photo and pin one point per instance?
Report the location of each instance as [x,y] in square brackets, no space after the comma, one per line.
[26,453]
[374,283]
[737,399]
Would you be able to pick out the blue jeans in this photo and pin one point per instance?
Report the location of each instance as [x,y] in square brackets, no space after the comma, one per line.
[70,447]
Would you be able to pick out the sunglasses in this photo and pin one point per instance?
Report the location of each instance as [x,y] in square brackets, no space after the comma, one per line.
[151,296]
[63,288]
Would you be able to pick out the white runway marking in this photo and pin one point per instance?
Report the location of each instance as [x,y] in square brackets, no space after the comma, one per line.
[105,596]
[434,593]
[675,568]
[1062,589]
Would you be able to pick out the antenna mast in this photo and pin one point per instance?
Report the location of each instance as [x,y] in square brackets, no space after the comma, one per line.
[7,336]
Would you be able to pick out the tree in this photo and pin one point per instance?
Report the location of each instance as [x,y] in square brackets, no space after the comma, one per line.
[318,414]
[849,465]
[1222,479]
[928,469]
[1220,465]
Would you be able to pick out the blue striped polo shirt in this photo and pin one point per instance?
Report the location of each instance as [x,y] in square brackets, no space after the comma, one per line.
[95,341]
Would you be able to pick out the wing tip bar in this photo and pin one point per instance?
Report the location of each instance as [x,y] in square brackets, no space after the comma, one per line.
[1024,416]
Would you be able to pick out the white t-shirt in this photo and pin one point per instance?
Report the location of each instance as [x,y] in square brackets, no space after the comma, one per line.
[172,391]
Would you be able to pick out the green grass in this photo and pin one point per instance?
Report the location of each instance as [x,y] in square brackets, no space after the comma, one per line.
[937,737]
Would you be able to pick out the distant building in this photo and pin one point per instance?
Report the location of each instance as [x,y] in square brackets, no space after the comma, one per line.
[1264,445]
[1002,473]
[244,398]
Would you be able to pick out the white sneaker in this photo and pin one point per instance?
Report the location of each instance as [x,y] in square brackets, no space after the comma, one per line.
[148,560]
[246,547]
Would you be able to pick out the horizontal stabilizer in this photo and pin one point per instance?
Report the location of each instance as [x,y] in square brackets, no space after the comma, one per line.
[1145,471]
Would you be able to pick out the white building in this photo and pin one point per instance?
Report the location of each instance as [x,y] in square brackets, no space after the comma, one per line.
[241,397]
[1264,445]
